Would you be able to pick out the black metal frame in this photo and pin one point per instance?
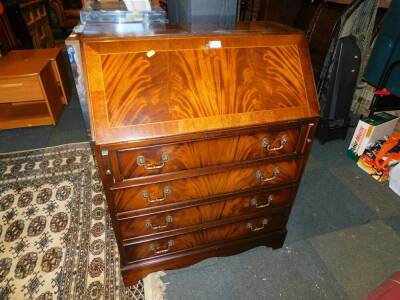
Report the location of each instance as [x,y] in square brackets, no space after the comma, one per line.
[385,102]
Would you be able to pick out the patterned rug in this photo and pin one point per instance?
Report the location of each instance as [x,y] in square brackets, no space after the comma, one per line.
[56,240]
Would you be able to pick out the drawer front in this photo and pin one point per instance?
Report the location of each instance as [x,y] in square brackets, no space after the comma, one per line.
[131,163]
[205,237]
[206,186]
[20,89]
[201,214]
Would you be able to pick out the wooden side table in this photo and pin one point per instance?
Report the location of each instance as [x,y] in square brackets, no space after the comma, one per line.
[28,94]
[58,63]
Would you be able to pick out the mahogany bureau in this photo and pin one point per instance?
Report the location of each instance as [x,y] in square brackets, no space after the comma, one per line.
[201,136]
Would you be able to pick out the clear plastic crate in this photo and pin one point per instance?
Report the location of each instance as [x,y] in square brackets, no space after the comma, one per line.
[117,13]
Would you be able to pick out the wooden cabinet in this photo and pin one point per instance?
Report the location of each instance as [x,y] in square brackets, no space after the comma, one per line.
[201,136]
[29,94]
[57,61]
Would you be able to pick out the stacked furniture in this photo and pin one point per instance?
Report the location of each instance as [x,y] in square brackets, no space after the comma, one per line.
[201,135]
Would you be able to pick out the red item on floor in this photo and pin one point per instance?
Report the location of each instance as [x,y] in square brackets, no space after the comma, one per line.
[389,290]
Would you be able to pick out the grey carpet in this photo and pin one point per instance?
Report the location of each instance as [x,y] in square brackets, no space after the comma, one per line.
[70,129]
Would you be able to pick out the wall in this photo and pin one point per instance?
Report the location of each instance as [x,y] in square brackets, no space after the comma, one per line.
[191,11]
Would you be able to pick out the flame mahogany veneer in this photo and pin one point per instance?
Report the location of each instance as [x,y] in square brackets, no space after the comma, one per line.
[200,149]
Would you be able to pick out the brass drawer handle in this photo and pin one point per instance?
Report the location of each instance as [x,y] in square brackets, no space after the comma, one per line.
[141,161]
[153,248]
[256,205]
[149,224]
[250,225]
[146,196]
[260,176]
[265,144]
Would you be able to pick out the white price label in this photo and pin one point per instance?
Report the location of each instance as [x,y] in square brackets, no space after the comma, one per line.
[150,53]
[214,44]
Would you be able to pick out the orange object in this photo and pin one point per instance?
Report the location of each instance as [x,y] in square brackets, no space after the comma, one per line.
[384,157]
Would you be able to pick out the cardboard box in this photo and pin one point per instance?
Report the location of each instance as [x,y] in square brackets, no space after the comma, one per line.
[369,130]
[394,182]
[367,162]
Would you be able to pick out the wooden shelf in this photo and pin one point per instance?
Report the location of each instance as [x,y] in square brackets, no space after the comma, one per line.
[24,114]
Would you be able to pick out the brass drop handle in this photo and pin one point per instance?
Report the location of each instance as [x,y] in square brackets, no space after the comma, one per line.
[153,248]
[141,161]
[266,144]
[146,196]
[255,204]
[149,224]
[260,176]
[250,225]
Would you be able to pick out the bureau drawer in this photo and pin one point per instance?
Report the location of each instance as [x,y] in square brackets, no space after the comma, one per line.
[148,195]
[20,89]
[200,214]
[204,237]
[137,162]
